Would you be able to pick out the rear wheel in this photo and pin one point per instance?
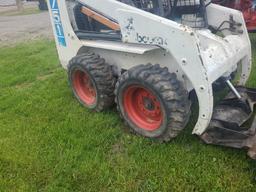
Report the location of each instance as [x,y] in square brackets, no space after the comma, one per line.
[92,81]
[153,102]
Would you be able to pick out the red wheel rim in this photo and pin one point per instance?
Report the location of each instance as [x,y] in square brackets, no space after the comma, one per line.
[84,87]
[143,108]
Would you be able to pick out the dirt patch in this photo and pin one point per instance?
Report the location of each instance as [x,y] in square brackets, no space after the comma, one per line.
[117,148]
[48,75]
[44,77]
[15,29]
[23,86]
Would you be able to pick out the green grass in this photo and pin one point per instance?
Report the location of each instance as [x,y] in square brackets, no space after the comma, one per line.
[26,11]
[49,142]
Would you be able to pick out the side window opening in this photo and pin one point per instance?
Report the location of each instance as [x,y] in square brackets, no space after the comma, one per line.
[87,27]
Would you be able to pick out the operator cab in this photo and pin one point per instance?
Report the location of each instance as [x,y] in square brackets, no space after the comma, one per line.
[88,26]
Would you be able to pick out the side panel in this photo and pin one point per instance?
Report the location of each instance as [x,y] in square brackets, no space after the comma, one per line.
[66,41]
[216,15]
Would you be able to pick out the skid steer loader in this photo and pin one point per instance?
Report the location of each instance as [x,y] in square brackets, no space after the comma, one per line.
[148,56]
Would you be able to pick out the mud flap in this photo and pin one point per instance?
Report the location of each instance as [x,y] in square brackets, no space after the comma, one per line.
[233,123]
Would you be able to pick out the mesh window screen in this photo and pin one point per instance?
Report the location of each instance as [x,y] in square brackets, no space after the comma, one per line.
[187,12]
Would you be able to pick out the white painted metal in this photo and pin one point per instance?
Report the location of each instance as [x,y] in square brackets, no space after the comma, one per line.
[120,47]
[197,56]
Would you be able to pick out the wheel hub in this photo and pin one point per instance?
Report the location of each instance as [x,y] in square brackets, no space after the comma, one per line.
[84,87]
[143,108]
[148,104]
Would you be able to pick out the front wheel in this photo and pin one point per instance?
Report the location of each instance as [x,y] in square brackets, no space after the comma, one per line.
[153,102]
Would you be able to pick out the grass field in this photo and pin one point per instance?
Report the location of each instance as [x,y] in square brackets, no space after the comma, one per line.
[49,142]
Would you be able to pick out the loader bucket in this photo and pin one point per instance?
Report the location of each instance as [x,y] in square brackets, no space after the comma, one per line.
[233,123]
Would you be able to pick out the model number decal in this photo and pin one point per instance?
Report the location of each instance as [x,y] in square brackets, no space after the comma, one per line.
[57,23]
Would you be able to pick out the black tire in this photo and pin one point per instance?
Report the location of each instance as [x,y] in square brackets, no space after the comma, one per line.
[169,92]
[101,76]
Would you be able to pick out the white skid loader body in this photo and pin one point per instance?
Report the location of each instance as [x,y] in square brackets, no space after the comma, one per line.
[198,57]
